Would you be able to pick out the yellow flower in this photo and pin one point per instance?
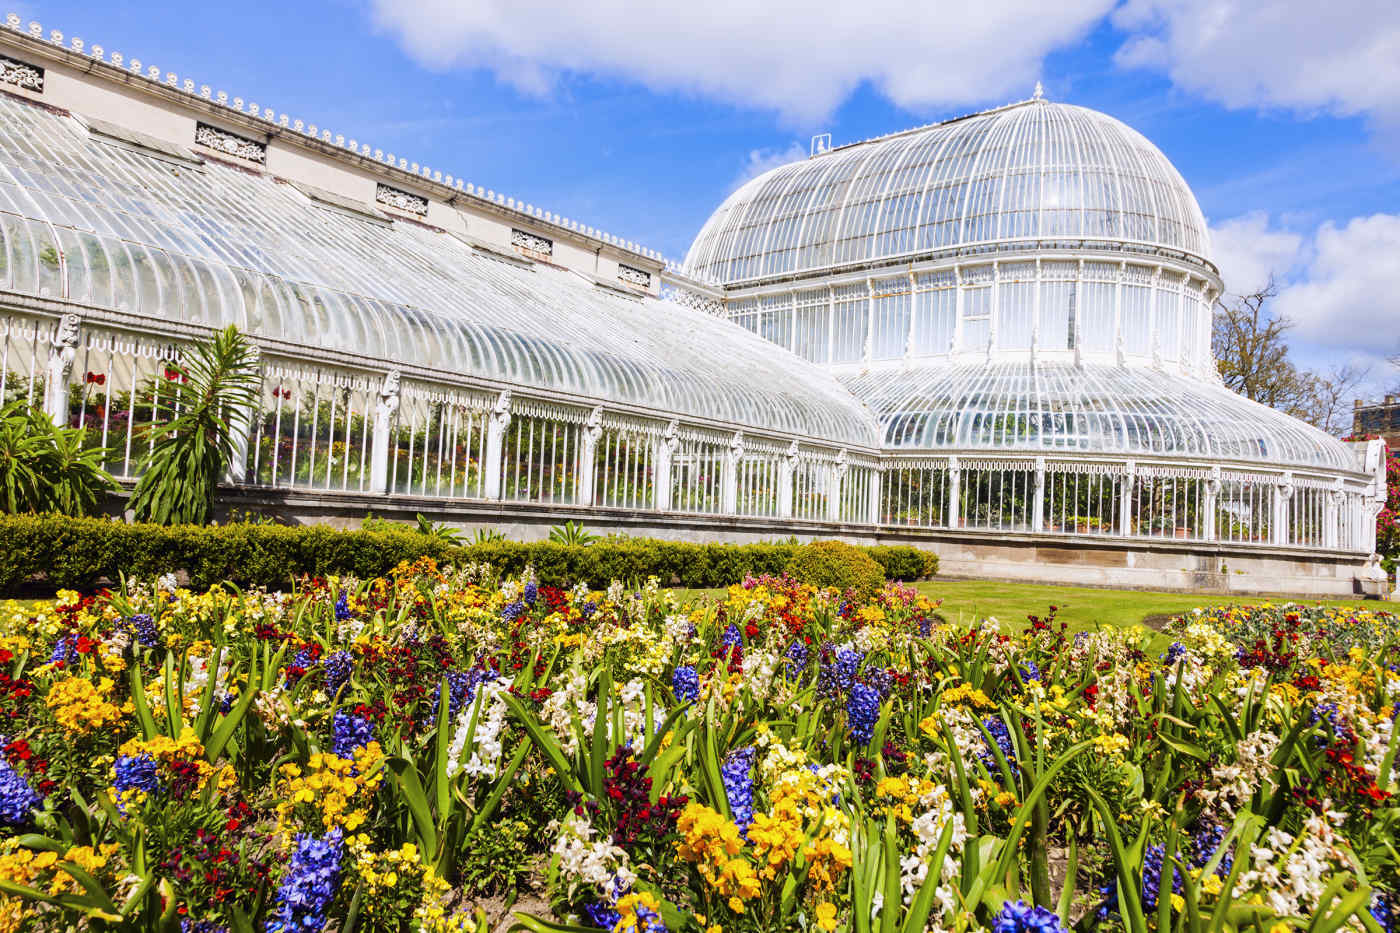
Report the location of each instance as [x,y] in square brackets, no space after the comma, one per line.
[826,916]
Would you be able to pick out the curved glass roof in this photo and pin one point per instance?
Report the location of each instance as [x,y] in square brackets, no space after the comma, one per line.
[1031,171]
[110,227]
[1094,409]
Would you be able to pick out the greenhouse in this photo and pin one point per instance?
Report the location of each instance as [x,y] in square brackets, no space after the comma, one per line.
[991,335]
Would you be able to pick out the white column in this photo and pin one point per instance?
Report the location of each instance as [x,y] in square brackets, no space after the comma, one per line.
[1038,506]
[838,482]
[665,457]
[954,493]
[385,409]
[1283,492]
[587,459]
[786,468]
[869,319]
[1125,500]
[729,480]
[1332,517]
[874,506]
[1212,498]
[241,423]
[63,350]
[495,444]
[1118,313]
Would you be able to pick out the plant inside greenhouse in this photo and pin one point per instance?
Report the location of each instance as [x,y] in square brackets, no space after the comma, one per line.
[783,757]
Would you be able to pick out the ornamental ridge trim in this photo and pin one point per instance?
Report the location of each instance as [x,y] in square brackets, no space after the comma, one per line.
[400,200]
[240,147]
[21,74]
[638,277]
[531,243]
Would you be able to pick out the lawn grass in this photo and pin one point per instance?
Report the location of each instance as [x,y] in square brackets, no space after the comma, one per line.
[966,601]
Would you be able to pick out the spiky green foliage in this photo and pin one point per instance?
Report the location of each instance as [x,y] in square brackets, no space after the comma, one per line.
[215,391]
[46,468]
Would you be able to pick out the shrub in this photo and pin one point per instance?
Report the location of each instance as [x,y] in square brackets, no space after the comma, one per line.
[44,468]
[78,553]
[835,563]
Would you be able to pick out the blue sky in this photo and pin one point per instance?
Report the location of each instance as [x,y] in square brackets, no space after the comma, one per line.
[638,119]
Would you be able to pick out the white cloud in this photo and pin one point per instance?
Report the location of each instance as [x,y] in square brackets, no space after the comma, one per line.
[1349,293]
[1248,251]
[1339,284]
[798,57]
[1341,57]
[764,160]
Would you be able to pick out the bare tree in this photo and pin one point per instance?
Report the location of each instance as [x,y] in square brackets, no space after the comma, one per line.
[1332,393]
[1252,355]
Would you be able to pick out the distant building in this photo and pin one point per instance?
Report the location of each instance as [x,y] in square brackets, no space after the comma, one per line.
[1382,418]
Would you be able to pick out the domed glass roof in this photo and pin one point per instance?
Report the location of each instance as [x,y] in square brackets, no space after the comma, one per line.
[1009,407]
[1031,171]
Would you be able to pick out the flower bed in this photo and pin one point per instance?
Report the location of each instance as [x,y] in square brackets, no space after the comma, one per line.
[393,753]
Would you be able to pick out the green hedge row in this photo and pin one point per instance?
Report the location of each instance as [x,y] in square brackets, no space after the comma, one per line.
[80,552]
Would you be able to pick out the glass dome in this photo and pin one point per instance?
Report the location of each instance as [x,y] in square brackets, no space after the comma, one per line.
[1055,408]
[110,227]
[1034,171]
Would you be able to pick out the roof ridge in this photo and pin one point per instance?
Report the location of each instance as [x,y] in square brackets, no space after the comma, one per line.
[1038,98]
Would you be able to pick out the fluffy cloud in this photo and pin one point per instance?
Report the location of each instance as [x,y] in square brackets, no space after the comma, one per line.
[800,58]
[1248,251]
[764,160]
[1348,295]
[1341,57]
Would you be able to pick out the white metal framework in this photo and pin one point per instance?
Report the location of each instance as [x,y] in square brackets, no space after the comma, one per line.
[998,325]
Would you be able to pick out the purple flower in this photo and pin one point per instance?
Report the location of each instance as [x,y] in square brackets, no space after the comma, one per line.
[532,593]
[1016,916]
[342,607]
[143,627]
[65,649]
[309,885]
[862,710]
[731,637]
[685,684]
[339,666]
[796,655]
[18,801]
[737,775]
[137,772]
[349,733]
[512,611]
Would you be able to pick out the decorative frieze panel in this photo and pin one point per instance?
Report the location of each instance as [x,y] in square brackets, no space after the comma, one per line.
[21,74]
[401,200]
[533,244]
[638,277]
[240,147]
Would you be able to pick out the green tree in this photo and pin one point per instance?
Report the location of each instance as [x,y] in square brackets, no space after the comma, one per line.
[216,390]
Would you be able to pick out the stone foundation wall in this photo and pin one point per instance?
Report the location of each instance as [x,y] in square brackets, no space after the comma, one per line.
[1056,559]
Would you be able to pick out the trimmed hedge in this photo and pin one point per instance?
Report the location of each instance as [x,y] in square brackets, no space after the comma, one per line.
[79,552]
[838,564]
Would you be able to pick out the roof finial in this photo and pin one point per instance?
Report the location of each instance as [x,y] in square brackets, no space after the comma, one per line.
[1039,92]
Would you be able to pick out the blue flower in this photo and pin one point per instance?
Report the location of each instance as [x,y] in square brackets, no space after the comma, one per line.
[1174,652]
[862,710]
[137,772]
[201,926]
[339,666]
[601,915]
[18,801]
[1002,735]
[796,655]
[65,650]
[1016,916]
[1152,876]
[342,607]
[731,637]
[309,885]
[685,684]
[587,610]
[837,675]
[1385,909]
[512,611]
[532,593]
[1030,671]
[350,733]
[144,628]
[737,774]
